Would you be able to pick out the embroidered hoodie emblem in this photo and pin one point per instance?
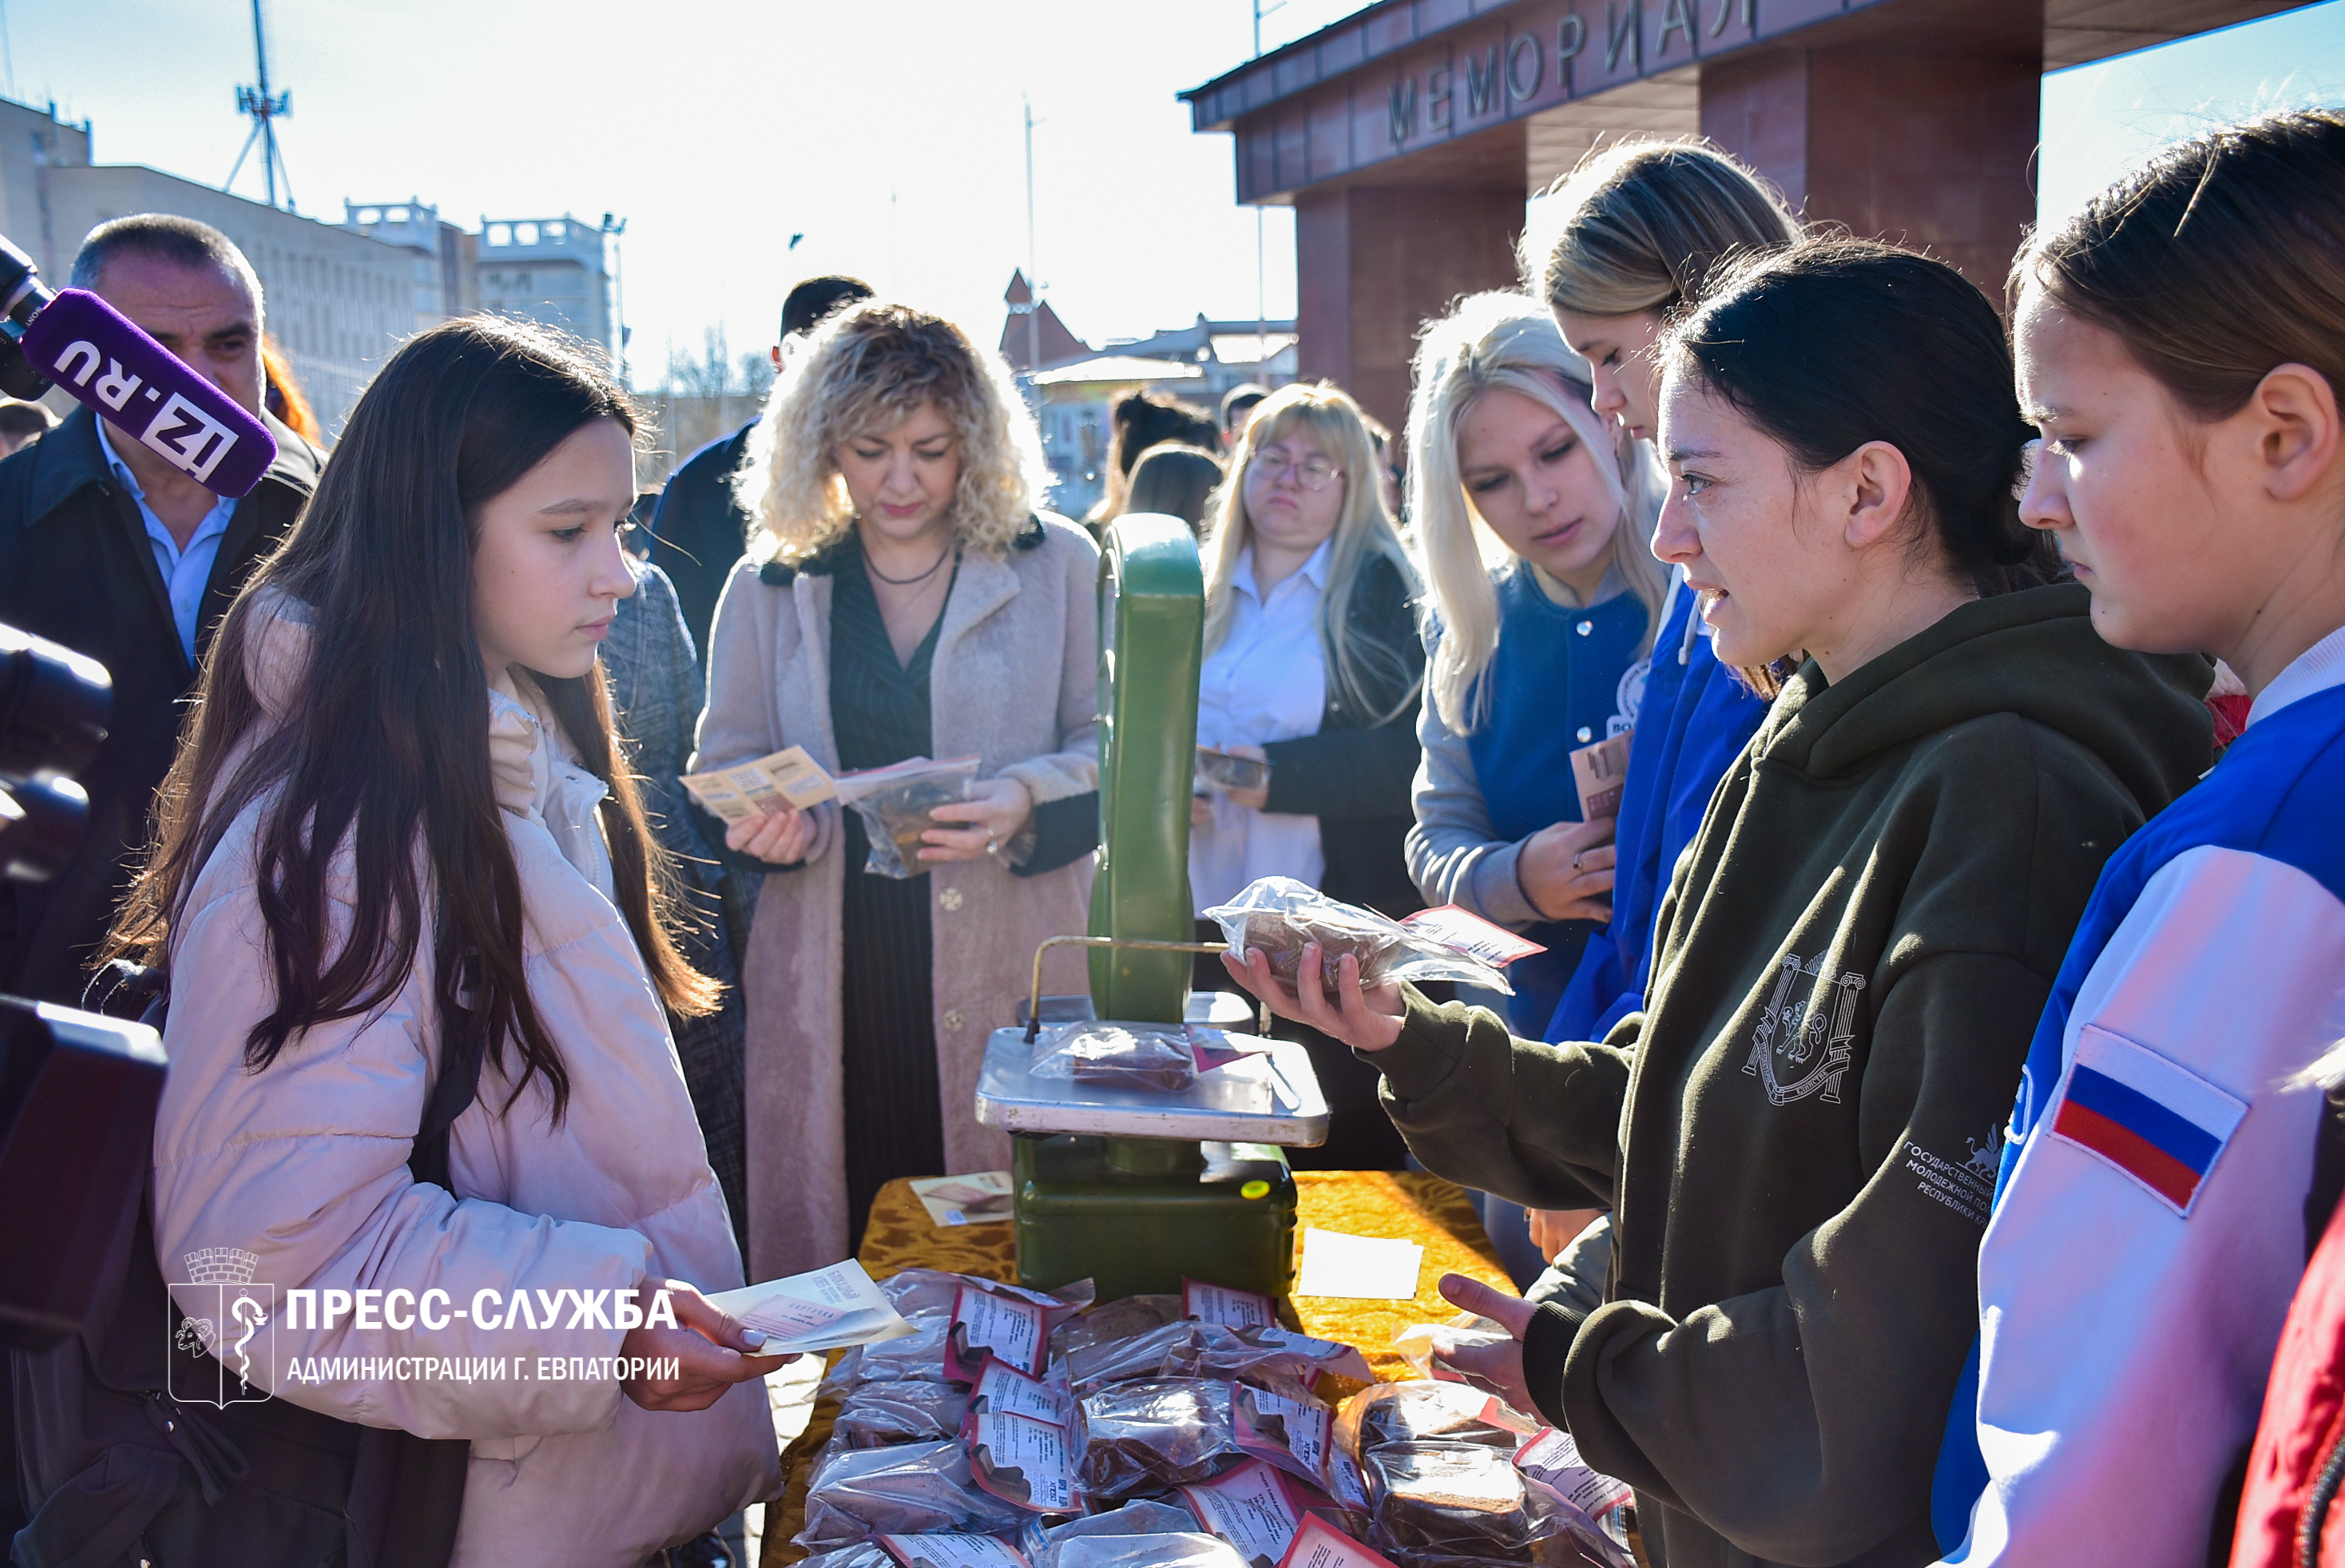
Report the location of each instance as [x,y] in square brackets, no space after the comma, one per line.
[1802,1044]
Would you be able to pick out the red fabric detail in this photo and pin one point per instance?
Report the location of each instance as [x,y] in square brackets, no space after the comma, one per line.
[2231,715]
[2128,1151]
[2303,1419]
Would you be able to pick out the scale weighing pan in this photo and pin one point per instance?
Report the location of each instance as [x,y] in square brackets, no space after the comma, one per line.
[1269,1095]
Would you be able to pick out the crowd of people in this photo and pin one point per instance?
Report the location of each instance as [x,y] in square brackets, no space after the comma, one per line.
[1918,1139]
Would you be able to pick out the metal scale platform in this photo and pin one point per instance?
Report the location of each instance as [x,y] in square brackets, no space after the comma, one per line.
[1138,1189]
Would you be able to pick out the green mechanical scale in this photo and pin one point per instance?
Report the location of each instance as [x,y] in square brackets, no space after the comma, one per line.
[1138,1189]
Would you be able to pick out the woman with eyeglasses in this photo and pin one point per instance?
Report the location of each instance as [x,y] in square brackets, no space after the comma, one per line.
[1312,664]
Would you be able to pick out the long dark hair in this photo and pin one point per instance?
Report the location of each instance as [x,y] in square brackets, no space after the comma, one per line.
[379,749]
[1831,343]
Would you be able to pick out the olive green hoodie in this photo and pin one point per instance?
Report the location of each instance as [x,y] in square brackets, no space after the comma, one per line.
[1798,1136]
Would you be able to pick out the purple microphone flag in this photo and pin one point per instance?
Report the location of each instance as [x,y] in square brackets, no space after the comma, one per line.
[148,392]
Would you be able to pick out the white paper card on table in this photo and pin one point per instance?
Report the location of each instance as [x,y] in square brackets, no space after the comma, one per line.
[1025,1462]
[978,1199]
[985,1324]
[1251,1508]
[1002,1386]
[1230,1308]
[1319,1545]
[1362,1267]
[818,1311]
[951,1552]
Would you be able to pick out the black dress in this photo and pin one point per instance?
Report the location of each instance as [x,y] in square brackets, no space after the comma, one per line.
[879,715]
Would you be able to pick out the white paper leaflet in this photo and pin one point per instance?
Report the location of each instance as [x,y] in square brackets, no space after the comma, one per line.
[1003,1387]
[1251,1508]
[788,779]
[1025,1462]
[985,1324]
[1220,1304]
[951,1552]
[1319,1544]
[819,1311]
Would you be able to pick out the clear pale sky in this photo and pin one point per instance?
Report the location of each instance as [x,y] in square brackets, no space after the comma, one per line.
[718,128]
[887,131]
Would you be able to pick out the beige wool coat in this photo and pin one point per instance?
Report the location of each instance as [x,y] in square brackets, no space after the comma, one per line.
[1014,680]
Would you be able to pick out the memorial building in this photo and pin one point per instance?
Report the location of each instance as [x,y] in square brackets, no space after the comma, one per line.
[1407,135]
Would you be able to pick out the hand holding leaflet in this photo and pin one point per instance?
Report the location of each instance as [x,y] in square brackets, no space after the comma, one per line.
[818,1311]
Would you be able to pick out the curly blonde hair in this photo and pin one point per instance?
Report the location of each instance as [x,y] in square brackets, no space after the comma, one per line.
[865,371]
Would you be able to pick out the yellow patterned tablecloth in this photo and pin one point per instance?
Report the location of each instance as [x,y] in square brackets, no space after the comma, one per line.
[1420,1208]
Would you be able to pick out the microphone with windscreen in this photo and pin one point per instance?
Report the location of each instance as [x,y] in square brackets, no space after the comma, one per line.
[100,357]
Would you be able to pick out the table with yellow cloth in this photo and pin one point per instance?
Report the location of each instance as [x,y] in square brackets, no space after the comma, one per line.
[1411,1205]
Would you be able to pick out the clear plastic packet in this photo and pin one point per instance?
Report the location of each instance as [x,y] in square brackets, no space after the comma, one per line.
[1591,1504]
[1101,1053]
[862,1555]
[1264,1352]
[1008,1321]
[923,1293]
[1227,771]
[882,1415]
[1393,1415]
[1258,1510]
[1125,1317]
[1275,916]
[1211,1303]
[1166,1551]
[894,803]
[917,1358]
[1148,1516]
[950,1550]
[1154,1434]
[1001,1387]
[1023,1460]
[1457,1500]
[1298,1435]
[1429,1347]
[914,1489]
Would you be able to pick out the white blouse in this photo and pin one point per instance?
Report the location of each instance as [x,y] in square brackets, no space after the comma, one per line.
[1267,681]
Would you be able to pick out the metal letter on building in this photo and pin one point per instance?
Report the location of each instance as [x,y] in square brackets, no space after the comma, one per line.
[1624,27]
[1515,83]
[1482,81]
[1570,37]
[1438,115]
[1676,16]
[1404,105]
[1725,13]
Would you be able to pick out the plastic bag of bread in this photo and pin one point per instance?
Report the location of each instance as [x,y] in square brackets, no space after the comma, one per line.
[1430,1346]
[882,1415]
[1148,1516]
[1104,1054]
[1275,916]
[1396,1414]
[913,1489]
[918,1358]
[863,1554]
[1152,1435]
[894,803]
[1181,1549]
[1458,1500]
[1125,1317]
[1276,1356]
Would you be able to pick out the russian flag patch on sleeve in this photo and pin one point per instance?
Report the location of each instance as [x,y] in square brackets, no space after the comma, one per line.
[2158,1123]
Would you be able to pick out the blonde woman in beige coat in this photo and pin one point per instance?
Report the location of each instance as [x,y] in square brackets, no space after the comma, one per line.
[901,597]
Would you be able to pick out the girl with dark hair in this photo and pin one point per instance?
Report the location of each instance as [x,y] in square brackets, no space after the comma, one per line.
[1853,950]
[2181,348]
[397,834]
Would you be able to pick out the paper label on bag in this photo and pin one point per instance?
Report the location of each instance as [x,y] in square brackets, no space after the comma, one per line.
[1461,931]
[951,1552]
[1552,1458]
[1345,1482]
[1003,1387]
[818,1311]
[1601,773]
[1231,1309]
[1319,1545]
[1022,1460]
[1251,1508]
[986,1324]
[788,779]
[1287,1433]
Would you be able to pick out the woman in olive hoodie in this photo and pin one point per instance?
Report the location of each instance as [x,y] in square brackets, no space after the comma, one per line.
[1797,1136]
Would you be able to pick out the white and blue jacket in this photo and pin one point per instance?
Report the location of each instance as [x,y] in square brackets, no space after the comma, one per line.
[2148,1227]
